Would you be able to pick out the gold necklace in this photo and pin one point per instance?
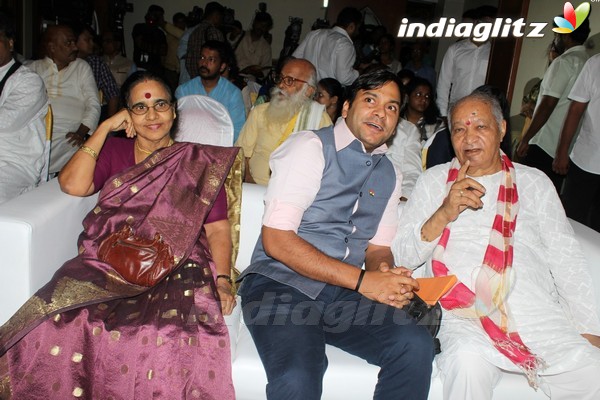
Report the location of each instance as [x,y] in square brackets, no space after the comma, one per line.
[137,146]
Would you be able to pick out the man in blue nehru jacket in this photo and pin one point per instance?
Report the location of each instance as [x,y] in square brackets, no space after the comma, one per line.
[330,207]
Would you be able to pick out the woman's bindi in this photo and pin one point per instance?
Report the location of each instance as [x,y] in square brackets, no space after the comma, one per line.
[147,95]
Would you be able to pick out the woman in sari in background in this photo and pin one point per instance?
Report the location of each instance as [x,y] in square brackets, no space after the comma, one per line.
[91,334]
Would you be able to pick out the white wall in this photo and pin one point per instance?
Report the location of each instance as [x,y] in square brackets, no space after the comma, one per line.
[308,10]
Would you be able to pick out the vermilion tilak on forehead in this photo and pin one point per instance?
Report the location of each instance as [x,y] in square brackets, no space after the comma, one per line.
[474,114]
[147,95]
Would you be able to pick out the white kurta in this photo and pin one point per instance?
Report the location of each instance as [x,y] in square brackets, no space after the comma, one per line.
[586,150]
[405,154]
[463,69]
[73,94]
[23,107]
[251,52]
[332,53]
[557,82]
[551,300]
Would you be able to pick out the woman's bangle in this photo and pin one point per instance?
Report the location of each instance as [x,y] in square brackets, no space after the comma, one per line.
[226,277]
[360,278]
[90,151]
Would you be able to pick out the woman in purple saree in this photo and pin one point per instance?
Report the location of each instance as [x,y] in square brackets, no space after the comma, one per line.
[90,334]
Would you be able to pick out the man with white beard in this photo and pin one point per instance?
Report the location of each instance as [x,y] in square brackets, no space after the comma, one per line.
[290,110]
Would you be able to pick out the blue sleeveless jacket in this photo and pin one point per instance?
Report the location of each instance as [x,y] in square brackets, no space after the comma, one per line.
[331,223]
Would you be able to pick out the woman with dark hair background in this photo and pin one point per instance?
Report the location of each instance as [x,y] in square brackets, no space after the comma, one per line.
[386,53]
[420,108]
[330,93]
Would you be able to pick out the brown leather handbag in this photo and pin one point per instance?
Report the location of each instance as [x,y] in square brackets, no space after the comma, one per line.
[143,262]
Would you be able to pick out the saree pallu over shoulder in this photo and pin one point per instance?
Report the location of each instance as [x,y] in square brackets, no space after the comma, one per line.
[170,193]
[233,187]
[88,304]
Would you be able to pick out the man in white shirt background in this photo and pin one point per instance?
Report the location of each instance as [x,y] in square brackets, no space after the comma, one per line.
[581,191]
[465,64]
[72,92]
[252,51]
[331,51]
[23,107]
[538,145]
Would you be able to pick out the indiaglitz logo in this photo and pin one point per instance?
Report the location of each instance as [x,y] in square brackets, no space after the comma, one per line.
[573,18]
[501,27]
[480,32]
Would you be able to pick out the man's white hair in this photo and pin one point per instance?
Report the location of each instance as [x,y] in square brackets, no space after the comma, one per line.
[488,99]
[283,106]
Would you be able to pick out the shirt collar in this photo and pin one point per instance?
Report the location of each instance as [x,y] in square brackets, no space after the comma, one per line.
[4,69]
[344,137]
[579,47]
[342,31]
[472,45]
[51,64]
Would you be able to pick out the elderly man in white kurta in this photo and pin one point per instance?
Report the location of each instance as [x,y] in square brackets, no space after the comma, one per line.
[23,106]
[524,302]
[72,92]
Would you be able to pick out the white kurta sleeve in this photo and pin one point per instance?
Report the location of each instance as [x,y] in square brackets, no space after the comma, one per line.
[23,103]
[566,260]
[445,81]
[408,248]
[89,92]
[344,60]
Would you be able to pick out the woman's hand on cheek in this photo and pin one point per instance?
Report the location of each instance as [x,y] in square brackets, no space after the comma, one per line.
[130,130]
[120,121]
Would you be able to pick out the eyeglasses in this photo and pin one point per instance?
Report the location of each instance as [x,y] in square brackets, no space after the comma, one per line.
[287,80]
[159,106]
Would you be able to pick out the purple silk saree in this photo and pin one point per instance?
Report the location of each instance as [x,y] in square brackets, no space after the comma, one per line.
[89,334]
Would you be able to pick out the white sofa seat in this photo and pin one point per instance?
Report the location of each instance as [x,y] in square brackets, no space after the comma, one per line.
[348,377]
[38,233]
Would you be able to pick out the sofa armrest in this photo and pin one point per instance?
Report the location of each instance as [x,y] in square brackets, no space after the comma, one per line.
[38,233]
[250,222]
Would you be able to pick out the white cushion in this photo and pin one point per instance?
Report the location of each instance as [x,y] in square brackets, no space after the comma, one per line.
[38,233]
[203,120]
[250,222]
